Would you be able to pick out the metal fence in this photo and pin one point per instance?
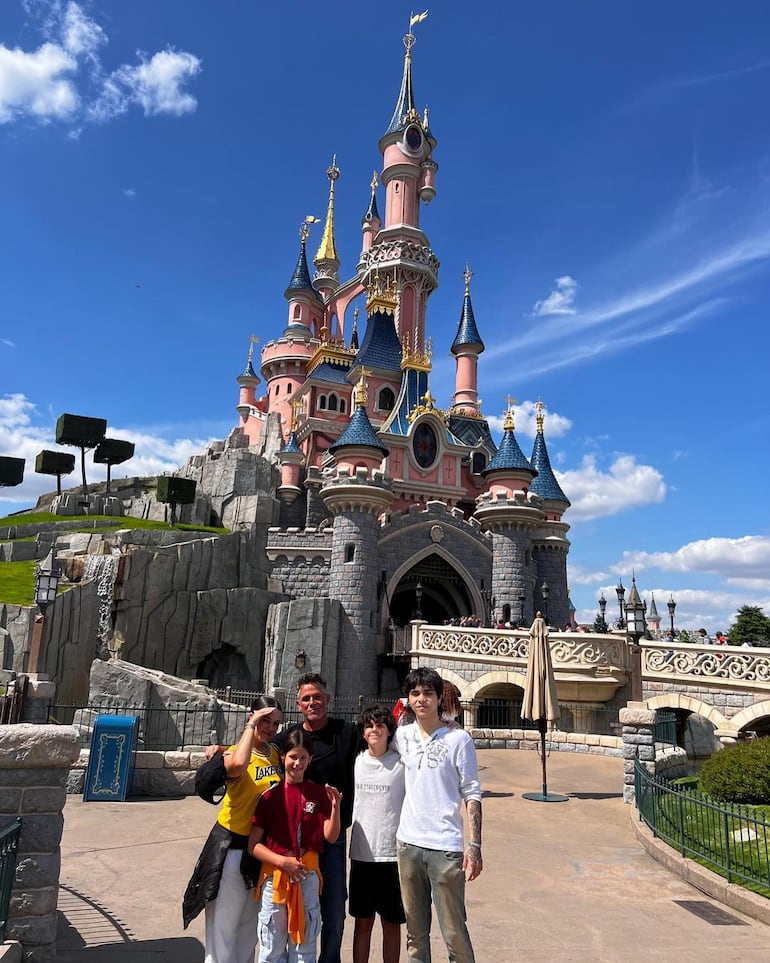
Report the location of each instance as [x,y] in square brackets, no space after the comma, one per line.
[573,716]
[730,839]
[161,728]
[9,845]
[664,730]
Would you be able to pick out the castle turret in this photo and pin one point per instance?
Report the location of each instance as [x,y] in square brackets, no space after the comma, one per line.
[550,545]
[356,492]
[326,280]
[371,221]
[466,347]
[653,616]
[511,513]
[290,460]
[248,380]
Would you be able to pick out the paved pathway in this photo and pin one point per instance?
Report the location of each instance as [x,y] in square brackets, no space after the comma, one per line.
[562,881]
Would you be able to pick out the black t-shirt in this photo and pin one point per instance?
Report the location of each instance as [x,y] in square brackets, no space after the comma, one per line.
[335,748]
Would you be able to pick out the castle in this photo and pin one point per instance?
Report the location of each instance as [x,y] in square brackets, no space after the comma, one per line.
[391,505]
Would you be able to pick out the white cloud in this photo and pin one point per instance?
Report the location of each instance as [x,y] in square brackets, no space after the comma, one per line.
[36,83]
[80,35]
[525,421]
[155,85]
[129,192]
[560,301]
[8,343]
[747,557]
[57,81]
[598,494]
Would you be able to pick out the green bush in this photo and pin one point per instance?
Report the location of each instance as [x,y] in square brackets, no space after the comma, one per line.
[739,774]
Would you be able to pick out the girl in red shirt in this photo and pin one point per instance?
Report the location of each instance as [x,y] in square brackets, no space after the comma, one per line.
[291,823]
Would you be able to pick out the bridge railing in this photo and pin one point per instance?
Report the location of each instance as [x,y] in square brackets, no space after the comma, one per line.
[725,666]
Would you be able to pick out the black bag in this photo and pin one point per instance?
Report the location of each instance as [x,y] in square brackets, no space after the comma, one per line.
[211,780]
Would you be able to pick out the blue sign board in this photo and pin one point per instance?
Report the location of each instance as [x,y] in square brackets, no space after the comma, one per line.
[111,760]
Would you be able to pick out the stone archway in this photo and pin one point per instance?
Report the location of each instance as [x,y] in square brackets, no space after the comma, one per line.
[700,727]
[448,590]
[750,717]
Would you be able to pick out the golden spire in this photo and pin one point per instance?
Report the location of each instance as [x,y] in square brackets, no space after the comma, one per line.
[539,406]
[467,274]
[253,339]
[327,249]
[383,296]
[508,420]
[304,230]
[375,181]
[360,392]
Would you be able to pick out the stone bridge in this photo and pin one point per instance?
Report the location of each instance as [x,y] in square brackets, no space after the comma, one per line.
[728,686]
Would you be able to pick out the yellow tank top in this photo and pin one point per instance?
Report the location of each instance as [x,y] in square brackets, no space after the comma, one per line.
[242,793]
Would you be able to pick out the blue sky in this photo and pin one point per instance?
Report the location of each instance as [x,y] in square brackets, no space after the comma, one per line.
[603,167]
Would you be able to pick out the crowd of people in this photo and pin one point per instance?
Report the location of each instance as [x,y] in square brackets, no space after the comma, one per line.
[273,875]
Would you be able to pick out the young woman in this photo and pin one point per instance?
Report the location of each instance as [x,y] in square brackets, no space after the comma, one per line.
[291,824]
[225,875]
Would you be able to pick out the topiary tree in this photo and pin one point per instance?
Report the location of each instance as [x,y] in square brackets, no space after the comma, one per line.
[739,774]
[113,451]
[55,463]
[11,471]
[175,491]
[751,625]
[81,433]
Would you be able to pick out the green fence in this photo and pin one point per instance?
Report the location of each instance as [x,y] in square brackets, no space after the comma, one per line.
[731,840]
[9,845]
[665,728]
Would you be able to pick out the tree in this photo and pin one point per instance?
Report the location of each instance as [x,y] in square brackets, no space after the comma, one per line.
[175,491]
[751,626]
[113,451]
[55,463]
[11,471]
[82,433]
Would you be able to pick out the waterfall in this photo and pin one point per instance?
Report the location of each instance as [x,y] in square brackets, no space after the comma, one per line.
[103,570]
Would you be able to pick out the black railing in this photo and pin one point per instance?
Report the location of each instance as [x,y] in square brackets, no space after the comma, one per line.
[573,716]
[9,846]
[664,730]
[732,840]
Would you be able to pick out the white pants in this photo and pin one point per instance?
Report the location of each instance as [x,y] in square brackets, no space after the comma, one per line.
[231,918]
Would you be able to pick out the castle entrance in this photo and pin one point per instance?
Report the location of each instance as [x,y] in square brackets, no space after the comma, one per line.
[442,593]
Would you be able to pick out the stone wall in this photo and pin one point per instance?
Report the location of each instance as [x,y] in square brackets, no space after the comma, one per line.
[34,765]
[307,626]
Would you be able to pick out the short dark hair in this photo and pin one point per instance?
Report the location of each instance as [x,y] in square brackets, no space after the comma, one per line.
[265,702]
[423,676]
[297,739]
[312,678]
[381,714]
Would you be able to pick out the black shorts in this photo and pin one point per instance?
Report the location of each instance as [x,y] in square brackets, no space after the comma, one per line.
[374,888]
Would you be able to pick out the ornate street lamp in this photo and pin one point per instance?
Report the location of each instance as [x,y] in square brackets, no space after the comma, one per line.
[544,593]
[47,579]
[671,609]
[602,613]
[636,627]
[620,591]
[418,601]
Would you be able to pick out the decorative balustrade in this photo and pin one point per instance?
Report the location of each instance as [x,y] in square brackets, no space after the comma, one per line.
[718,666]
[569,650]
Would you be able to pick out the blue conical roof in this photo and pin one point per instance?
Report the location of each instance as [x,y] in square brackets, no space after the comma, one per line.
[292,444]
[545,484]
[509,456]
[359,432]
[248,371]
[467,332]
[380,347]
[653,612]
[300,279]
[372,214]
[405,103]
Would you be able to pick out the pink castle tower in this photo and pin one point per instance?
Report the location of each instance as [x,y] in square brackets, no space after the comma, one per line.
[466,347]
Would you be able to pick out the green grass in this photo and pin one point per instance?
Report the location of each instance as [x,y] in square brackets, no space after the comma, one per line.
[17,579]
[110,522]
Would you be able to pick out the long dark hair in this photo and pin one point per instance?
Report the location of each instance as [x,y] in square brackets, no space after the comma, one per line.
[297,739]
[265,702]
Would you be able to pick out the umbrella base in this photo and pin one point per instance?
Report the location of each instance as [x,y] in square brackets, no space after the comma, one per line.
[544,797]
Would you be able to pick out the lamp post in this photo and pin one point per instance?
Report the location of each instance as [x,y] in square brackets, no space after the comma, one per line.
[671,609]
[544,593]
[47,579]
[418,601]
[620,591]
[602,613]
[636,626]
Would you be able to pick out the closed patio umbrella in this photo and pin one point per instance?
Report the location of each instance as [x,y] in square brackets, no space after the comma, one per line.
[540,704]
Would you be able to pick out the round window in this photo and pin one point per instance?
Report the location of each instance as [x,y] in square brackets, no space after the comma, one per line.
[425,445]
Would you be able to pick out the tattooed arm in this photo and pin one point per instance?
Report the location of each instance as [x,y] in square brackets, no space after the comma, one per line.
[472,862]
